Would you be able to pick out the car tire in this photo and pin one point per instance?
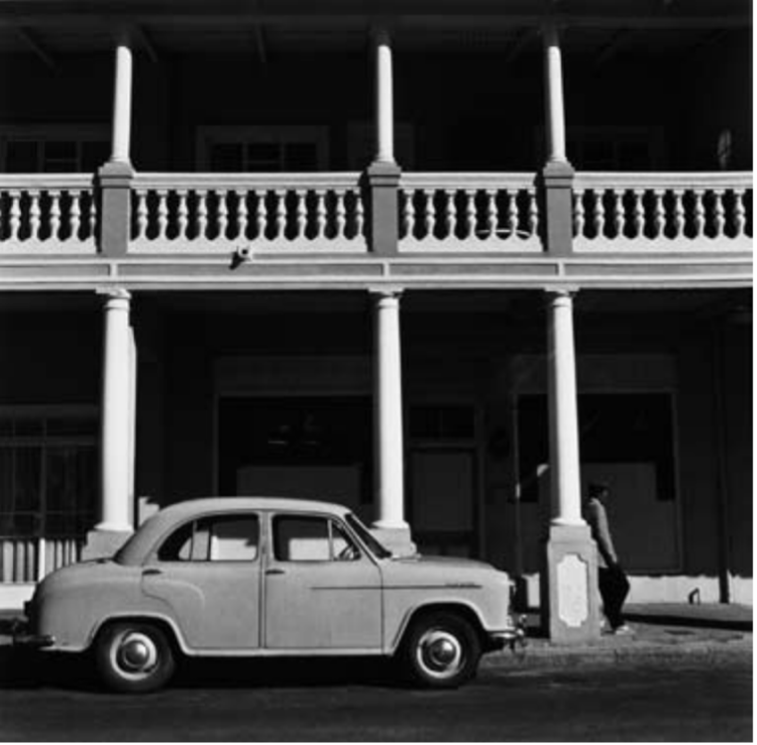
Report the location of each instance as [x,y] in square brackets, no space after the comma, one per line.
[442,650]
[134,657]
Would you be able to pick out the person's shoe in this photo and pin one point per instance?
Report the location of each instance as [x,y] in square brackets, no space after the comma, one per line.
[622,630]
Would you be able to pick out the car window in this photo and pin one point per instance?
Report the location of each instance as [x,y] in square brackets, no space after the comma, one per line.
[311,539]
[217,538]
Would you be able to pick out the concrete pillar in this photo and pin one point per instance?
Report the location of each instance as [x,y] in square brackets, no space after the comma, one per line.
[115,176]
[383,175]
[390,524]
[553,87]
[121,124]
[117,429]
[557,175]
[569,598]
[384,112]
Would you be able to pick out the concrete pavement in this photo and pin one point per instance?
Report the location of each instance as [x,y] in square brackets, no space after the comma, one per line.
[664,631]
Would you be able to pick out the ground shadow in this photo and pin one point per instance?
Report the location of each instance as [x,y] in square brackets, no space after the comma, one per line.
[672,619]
[24,668]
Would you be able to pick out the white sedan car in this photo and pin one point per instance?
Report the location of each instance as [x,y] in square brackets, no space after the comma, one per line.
[264,577]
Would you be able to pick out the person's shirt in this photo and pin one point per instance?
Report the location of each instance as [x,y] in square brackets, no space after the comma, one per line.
[596,516]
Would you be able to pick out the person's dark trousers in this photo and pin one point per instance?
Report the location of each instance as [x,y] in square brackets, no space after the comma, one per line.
[613,587]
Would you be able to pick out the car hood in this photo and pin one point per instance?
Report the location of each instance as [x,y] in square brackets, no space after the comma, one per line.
[447,562]
[440,571]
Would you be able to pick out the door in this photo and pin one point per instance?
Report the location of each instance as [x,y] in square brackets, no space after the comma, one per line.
[322,591]
[208,574]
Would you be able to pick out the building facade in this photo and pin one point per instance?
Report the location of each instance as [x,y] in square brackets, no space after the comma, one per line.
[446,263]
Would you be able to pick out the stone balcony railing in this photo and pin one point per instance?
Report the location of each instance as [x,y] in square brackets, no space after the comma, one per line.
[322,213]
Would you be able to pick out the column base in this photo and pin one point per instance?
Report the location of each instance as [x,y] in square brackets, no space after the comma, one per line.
[569,590]
[397,540]
[104,543]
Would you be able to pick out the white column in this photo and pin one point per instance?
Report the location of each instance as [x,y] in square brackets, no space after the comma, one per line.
[563,412]
[121,131]
[116,450]
[388,413]
[384,97]
[554,95]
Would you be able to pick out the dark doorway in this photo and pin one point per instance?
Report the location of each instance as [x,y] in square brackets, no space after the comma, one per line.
[304,447]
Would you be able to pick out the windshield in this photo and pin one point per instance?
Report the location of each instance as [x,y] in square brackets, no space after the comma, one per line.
[367,538]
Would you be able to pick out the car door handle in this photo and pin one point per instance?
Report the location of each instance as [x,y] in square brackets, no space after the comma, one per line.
[274,571]
[151,572]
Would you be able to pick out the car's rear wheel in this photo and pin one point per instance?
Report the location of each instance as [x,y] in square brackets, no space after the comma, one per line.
[442,650]
[134,657]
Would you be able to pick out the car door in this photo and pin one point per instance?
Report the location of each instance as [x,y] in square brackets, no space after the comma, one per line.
[322,591]
[206,575]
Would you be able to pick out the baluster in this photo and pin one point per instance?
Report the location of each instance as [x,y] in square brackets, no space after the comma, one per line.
[54,214]
[618,214]
[699,217]
[450,213]
[35,216]
[533,213]
[599,213]
[470,213]
[659,213]
[162,213]
[15,214]
[359,214]
[341,214]
[719,218]
[430,214]
[679,215]
[739,212]
[320,213]
[260,215]
[579,214]
[223,215]
[202,213]
[281,213]
[74,218]
[302,213]
[408,213]
[512,213]
[141,210]
[638,213]
[182,215]
[492,213]
[92,214]
[242,214]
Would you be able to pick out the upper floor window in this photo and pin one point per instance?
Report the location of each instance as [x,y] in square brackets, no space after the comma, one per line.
[53,149]
[274,149]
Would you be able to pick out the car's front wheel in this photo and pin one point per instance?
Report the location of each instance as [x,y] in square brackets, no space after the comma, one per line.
[442,650]
[134,657]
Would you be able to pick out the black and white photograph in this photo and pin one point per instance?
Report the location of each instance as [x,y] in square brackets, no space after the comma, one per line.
[376,371]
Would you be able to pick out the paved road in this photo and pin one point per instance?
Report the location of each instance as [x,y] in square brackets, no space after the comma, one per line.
[696,699]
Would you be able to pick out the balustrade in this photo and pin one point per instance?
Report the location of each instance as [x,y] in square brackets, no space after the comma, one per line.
[43,213]
[663,211]
[469,212]
[27,559]
[263,212]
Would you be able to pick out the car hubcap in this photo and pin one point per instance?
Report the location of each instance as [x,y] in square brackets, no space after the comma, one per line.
[440,653]
[137,653]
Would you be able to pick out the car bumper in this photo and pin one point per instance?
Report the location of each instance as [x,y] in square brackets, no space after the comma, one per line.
[513,636]
[22,636]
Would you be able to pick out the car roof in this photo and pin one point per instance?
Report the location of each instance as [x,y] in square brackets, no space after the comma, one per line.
[138,546]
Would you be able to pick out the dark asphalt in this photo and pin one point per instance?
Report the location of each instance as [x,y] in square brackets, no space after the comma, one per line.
[696,699]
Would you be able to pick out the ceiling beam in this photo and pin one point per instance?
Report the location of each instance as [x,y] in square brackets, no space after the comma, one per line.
[142,36]
[611,49]
[36,46]
[519,43]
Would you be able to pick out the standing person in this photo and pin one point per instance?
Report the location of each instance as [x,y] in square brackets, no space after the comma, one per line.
[613,583]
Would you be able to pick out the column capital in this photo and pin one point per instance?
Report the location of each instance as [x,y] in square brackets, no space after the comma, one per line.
[386,292]
[560,293]
[114,293]
[380,31]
